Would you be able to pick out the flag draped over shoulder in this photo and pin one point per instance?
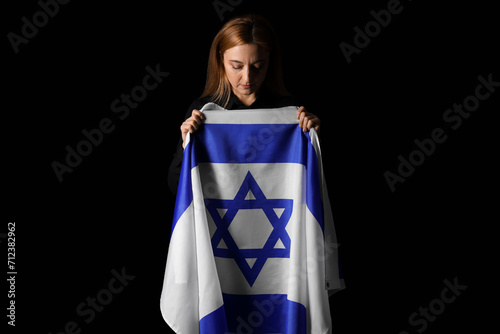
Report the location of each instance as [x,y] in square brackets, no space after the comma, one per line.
[253,246]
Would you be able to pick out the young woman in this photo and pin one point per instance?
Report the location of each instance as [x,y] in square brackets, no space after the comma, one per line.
[244,72]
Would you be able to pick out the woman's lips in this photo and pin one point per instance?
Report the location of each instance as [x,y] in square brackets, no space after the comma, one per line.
[246,86]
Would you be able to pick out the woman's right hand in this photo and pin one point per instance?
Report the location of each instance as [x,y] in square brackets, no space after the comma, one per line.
[191,124]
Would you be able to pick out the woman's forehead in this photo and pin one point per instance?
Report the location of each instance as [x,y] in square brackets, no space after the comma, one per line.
[246,53]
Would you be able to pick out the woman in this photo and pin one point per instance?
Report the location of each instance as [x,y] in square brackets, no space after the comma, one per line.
[244,72]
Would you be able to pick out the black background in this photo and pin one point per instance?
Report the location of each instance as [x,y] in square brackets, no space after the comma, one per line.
[114,210]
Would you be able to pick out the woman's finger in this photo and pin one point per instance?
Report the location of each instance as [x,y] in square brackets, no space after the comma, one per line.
[309,124]
[299,111]
[301,119]
[305,123]
[197,114]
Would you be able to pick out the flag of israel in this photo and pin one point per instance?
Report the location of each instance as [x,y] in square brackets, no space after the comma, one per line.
[253,246]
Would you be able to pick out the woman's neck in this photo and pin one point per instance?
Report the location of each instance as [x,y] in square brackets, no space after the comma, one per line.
[247,100]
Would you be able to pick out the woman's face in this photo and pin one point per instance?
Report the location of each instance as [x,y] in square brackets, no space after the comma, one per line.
[246,68]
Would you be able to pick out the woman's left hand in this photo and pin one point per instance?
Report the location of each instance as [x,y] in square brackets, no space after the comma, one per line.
[308,120]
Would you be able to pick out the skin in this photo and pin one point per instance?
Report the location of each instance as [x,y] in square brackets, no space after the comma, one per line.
[246,68]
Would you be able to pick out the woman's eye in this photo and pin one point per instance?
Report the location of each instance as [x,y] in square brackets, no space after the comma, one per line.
[237,67]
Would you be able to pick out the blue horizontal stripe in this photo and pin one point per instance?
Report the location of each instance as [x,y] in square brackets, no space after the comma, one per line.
[250,143]
[264,314]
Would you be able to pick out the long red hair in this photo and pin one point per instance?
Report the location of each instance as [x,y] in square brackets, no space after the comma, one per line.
[241,30]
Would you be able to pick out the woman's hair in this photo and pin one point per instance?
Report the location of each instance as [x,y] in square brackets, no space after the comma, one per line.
[241,30]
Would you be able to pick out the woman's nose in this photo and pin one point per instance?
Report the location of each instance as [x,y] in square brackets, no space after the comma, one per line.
[248,75]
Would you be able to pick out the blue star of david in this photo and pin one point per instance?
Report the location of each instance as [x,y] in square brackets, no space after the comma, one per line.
[278,236]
